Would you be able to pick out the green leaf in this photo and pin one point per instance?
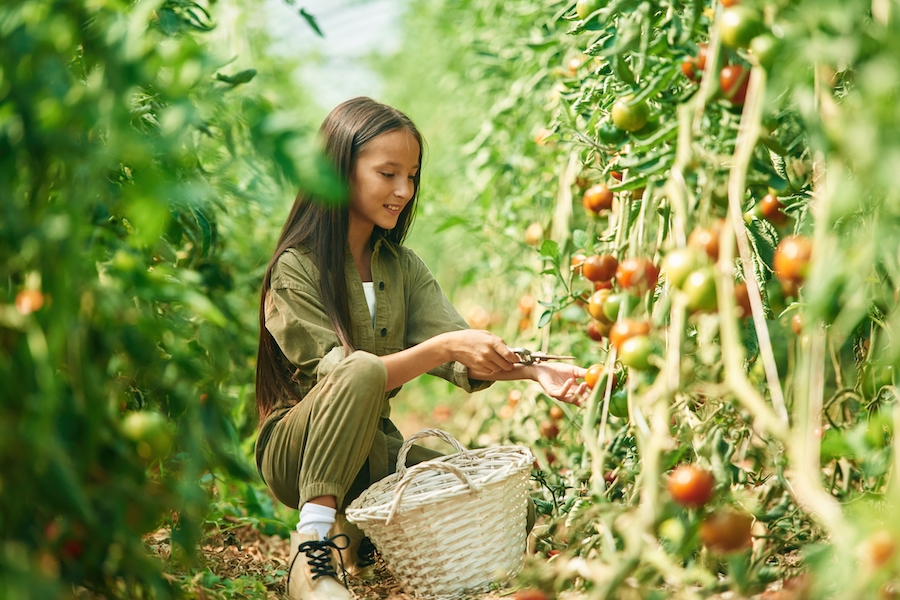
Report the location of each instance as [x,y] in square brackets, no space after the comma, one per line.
[544,507]
[623,70]
[764,239]
[311,21]
[580,238]
[237,78]
[550,249]
[205,230]
[450,222]
[545,318]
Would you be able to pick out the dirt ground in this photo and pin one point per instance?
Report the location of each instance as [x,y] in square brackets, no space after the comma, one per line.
[245,552]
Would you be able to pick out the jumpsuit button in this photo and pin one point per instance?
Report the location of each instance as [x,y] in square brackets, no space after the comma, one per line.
[381,285]
[383,331]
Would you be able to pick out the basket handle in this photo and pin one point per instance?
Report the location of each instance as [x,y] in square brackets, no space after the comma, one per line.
[422,467]
[439,433]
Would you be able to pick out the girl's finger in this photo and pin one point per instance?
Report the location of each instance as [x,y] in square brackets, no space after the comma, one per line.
[564,390]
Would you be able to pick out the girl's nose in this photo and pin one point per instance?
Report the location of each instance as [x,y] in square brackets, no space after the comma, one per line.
[405,189]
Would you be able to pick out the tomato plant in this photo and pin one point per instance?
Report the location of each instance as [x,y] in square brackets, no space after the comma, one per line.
[795,104]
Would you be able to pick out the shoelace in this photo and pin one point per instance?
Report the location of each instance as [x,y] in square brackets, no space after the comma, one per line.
[365,554]
[318,556]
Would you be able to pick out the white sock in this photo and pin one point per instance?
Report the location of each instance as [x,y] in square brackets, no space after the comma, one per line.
[315,518]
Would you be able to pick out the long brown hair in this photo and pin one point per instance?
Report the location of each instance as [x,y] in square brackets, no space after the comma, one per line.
[322,228]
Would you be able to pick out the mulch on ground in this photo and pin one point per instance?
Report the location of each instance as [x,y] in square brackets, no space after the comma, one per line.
[244,551]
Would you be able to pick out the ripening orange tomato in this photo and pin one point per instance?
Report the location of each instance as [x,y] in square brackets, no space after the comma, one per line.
[691,486]
[597,198]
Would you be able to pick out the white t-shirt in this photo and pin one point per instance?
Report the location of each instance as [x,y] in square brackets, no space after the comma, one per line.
[369,289]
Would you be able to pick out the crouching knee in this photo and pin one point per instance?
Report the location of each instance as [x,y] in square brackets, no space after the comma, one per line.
[365,368]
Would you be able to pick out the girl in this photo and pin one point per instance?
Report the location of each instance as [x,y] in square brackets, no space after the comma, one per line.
[347,316]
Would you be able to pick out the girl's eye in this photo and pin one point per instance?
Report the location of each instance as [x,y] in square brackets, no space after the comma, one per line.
[388,175]
[412,177]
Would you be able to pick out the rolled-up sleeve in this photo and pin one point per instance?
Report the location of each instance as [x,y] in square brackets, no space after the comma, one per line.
[430,314]
[296,318]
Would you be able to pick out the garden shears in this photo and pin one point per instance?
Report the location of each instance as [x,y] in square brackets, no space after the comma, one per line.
[527,357]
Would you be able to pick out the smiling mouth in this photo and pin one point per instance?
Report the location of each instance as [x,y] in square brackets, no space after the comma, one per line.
[393,206]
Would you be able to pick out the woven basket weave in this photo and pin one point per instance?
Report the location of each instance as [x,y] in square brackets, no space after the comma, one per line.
[450,525]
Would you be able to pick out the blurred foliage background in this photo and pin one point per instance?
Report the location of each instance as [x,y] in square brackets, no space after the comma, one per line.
[144,174]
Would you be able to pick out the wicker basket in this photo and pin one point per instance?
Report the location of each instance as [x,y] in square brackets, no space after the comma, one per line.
[453,524]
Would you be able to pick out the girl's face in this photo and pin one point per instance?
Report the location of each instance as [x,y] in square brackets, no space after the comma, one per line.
[381,183]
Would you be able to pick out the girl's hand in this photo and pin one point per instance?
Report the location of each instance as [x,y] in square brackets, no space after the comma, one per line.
[482,352]
[559,380]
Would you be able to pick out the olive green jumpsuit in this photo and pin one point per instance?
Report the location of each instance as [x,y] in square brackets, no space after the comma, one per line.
[340,438]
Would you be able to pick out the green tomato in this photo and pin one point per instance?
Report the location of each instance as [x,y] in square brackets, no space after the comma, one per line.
[618,404]
[585,8]
[609,134]
[765,48]
[615,303]
[635,352]
[700,289]
[681,262]
[150,432]
[739,24]
[630,117]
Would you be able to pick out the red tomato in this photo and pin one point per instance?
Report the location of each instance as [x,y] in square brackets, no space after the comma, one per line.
[770,207]
[549,430]
[601,267]
[706,239]
[597,198]
[691,486]
[791,260]
[733,80]
[637,275]
[597,330]
[597,374]
[627,328]
[726,531]
[690,70]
